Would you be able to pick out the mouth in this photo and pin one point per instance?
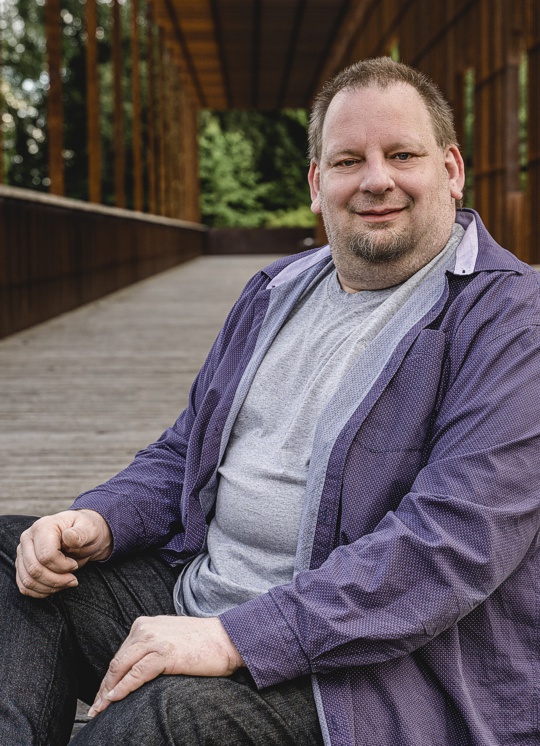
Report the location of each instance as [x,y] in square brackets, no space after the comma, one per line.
[380,215]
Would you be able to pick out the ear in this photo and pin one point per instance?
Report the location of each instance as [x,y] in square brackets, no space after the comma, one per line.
[456,171]
[314,177]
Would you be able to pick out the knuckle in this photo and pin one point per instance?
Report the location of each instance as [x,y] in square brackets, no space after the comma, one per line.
[27,581]
[139,670]
[166,650]
[34,569]
[141,628]
[114,665]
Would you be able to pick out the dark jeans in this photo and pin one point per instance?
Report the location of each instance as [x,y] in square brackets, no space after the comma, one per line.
[58,649]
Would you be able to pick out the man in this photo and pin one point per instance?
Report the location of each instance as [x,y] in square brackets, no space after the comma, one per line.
[346,514]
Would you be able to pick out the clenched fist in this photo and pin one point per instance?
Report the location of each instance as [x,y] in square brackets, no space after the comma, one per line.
[55,546]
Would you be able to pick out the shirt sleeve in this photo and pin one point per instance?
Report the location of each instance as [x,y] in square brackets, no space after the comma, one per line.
[143,503]
[463,528]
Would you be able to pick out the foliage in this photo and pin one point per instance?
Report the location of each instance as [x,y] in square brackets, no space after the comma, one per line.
[253,169]
[23,87]
[252,164]
[231,189]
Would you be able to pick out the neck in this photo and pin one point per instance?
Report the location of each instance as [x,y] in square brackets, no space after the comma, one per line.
[360,275]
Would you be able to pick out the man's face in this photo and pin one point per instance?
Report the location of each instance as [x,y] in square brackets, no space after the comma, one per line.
[384,187]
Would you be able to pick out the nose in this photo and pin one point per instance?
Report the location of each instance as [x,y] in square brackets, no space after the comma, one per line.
[375,176]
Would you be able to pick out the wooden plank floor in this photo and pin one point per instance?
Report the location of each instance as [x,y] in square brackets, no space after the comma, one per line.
[82,393]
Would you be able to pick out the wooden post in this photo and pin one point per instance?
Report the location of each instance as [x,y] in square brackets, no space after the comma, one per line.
[161,124]
[167,103]
[55,115]
[151,109]
[119,154]
[193,182]
[176,141]
[136,102]
[92,104]
[533,121]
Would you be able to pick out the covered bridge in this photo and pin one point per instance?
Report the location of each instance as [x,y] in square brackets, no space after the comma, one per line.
[182,56]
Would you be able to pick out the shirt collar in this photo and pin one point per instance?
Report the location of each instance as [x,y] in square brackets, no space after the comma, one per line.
[467,250]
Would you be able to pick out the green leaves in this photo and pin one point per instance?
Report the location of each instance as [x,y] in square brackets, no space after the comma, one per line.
[253,169]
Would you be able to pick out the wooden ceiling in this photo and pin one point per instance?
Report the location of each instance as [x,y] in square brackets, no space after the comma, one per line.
[258,54]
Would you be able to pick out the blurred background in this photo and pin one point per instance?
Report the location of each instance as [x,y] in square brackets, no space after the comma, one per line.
[137,134]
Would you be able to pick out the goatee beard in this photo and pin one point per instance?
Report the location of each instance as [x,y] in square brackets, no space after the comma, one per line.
[366,246]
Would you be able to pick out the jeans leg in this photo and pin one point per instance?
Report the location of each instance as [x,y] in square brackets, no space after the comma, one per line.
[56,650]
[191,711]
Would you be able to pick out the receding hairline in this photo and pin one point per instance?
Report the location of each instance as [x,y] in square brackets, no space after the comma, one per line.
[382,73]
[374,85]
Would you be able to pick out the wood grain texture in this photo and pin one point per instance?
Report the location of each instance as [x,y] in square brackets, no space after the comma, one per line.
[82,393]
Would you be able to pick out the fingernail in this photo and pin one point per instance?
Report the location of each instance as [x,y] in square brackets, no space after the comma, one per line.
[110,695]
[93,710]
[73,583]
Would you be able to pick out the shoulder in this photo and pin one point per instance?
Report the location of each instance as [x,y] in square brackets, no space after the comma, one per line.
[501,291]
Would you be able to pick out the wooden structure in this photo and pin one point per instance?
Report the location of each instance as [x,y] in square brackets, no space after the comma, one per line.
[187,55]
[57,254]
[269,54]
[85,391]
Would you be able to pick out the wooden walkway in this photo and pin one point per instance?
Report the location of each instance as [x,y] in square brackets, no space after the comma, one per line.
[82,393]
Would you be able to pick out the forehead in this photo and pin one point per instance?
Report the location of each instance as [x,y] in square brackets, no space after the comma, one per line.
[397,111]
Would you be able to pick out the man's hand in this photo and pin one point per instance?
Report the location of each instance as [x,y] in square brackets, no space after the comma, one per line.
[55,546]
[167,645]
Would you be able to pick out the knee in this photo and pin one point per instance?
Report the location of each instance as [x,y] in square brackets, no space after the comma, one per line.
[168,711]
[11,528]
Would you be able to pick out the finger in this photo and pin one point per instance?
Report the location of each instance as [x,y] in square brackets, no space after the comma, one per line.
[41,548]
[87,537]
[144,670]
[73,539]
[127,655]
[32,575]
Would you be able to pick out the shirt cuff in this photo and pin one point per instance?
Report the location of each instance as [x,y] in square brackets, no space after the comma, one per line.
[265,641]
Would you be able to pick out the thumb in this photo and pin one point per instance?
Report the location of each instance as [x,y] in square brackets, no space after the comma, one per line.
[72,538]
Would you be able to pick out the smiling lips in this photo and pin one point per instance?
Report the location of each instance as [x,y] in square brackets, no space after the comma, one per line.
[381,215]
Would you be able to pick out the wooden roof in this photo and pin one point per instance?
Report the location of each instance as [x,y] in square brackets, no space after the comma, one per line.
[259,54]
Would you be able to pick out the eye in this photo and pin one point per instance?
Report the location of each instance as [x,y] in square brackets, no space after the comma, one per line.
[402,157]
[347,162]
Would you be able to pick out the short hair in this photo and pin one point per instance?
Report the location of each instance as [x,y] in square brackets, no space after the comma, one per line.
[381,72]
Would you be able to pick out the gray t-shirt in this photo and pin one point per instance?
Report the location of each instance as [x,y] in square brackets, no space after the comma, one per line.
[252,538]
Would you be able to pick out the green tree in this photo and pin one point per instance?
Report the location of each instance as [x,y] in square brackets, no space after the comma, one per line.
[24,84]
[253,169]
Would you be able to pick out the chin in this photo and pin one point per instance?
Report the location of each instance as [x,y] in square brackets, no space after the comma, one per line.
[379,251]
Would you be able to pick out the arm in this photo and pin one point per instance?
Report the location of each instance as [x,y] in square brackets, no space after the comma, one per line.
[143,503]
[463,528]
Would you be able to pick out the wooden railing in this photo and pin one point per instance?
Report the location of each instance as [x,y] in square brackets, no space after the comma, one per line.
[57,254]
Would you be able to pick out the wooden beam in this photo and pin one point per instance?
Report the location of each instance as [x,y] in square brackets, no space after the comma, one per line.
[152,112]
[218,34]
[343,38]
[92,104]
[119,153]
[186,54]
[55,114]
[136,104]
[161,124]
[255,53]
[291,50]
